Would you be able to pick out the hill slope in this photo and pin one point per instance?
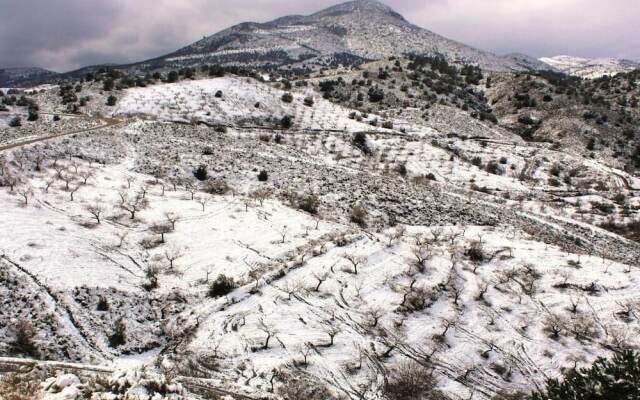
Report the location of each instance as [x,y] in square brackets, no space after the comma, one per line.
[363,28]
[590,68]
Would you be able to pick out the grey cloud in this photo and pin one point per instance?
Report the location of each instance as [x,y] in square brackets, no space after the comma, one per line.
[67,34]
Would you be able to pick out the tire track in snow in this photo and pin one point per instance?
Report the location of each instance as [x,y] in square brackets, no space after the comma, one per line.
[63,309]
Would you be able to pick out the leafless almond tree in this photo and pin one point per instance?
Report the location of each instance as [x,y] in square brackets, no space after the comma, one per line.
[268,330]
[355,261]
[191,188]
[67,178]
[130,180]
[331,329]
[172,254]
[202,201]
[260,195]
[47,184]
[26,193]
[321,277]
[134,205]
[95,210]
[172,218]
[85,174]
[161,229]
[73,190]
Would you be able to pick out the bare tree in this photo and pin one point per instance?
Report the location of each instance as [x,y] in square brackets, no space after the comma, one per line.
[397,234]
[191,188]
[58,168]
[95,210]
[122,236]
[255,274]
[268,330]
[261,195]
[283,232]
[172,218]
[202,201]
[172,254]
[422,254]
[305,350]
[130,180]
[321,277]
[73,190]
[355,261]
[26,193]
[373,315]
[47,184]
[67,178]
[85,174]
[11,181]
[331,329]
[162,187]
[161,229]
[292,288]
[75,166]
[134,204]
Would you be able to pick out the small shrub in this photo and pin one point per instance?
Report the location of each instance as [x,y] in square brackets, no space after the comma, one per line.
[494,168]
[15,122]
[308,101]
[475,252]
[217,186]
[222,286]
[111,100]
[287,97]
[208,151]
[286,122]
[33,115]
[23,342]
[263,176]
[201,173]
[309,203]
[360,141]
[119,336]
[103,305]
[402,169]
[359,215]
[411,381]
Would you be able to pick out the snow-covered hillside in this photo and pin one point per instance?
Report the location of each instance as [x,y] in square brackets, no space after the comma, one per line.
[324,235]
[590,68]
[235,101]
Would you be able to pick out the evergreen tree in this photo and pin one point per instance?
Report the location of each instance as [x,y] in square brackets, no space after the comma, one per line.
[618,378]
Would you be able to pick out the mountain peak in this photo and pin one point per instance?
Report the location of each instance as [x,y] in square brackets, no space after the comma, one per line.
[359,6]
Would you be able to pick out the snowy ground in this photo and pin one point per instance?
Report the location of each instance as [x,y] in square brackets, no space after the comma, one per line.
[495,276]
[242,102]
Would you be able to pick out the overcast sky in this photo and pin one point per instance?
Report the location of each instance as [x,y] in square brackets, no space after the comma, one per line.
[66,34]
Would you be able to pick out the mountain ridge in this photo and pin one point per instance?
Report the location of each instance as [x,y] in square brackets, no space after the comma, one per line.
[590,67]
[334,30]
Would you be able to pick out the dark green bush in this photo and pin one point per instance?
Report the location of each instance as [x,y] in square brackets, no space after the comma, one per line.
[617,378]
[222,286]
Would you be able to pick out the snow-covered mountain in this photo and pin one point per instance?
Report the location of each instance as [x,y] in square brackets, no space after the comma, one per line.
[361,29]
[10,76]
[590,68]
